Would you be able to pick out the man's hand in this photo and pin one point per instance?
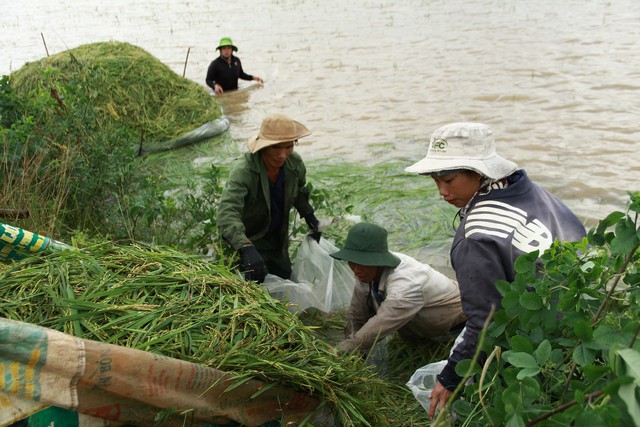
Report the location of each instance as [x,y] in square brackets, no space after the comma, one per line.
[439,397]
[252,264]
[218,89]
[313,224]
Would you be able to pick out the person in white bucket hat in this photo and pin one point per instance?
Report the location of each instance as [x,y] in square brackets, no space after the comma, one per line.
[503,215]
[263,186]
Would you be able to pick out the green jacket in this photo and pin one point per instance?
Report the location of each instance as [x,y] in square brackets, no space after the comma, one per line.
[244,212]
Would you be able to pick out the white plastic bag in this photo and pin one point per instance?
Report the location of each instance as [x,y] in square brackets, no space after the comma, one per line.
[300,295]
[424,379]
[330,280]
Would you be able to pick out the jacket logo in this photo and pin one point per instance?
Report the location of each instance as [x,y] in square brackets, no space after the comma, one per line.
[503,220]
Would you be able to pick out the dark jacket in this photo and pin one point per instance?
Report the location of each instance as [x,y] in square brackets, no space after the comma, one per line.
[244,213]
[499,227]
[226,74]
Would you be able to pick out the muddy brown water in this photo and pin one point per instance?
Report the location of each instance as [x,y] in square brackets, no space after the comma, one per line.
[559,82]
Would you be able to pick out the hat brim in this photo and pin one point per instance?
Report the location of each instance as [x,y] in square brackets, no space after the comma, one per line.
[255,143]
[370,259]
[235,49]
[494,167]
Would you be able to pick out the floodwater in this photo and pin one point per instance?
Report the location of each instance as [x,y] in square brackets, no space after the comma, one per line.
[558,81]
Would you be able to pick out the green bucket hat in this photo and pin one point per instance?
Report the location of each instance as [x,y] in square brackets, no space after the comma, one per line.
[226,41]
[367,245]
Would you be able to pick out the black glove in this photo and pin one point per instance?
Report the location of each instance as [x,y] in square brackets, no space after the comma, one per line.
[313,223]
[252,264]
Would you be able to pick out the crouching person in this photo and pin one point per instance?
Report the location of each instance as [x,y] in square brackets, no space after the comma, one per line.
[394,292]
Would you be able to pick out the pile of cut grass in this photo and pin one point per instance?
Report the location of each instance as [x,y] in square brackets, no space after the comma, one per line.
[180,306]
[126,83]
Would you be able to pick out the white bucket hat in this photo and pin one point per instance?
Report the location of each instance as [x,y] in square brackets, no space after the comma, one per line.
[277,128]
[464,146]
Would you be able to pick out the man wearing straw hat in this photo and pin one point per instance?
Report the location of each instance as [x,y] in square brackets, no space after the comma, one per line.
[394,292]
[226,69]
[263,186]
[503,215]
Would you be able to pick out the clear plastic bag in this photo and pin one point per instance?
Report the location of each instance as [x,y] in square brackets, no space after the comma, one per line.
[317,280]
[300,295]
[331,280]
[423,380]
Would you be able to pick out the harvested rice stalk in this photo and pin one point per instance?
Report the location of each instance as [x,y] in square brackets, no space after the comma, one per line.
[180,306]
[129,85]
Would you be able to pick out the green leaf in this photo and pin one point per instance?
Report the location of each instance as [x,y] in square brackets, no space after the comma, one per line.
[515,420]
[510,301]
[537,334]
[463,366]
[595,372]
[531,389]
[605,335]
[626,238]
[632,279]
[583,329]
[612,387]
[630,364]
[634,205]
[512,399]
[531,301]
[583,356]
[527,373]
[543,353]
[526,263]
[521,359]
[503,287]
[521,344]
[463,408]
[590,419]
[610,220]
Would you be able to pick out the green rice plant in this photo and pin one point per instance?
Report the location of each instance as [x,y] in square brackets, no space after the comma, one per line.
[163,301]
[123,82]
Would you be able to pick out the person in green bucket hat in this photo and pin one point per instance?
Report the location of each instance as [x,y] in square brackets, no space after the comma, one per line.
[394,292]
[226,69]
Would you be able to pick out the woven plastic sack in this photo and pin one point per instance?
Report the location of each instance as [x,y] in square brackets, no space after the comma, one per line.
[329,280]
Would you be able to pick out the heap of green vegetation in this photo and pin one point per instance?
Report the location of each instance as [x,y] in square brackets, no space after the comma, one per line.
[124,82]
[69,126]
[163,301]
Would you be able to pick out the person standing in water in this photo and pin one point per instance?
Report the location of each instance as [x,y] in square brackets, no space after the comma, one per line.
[226,69]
